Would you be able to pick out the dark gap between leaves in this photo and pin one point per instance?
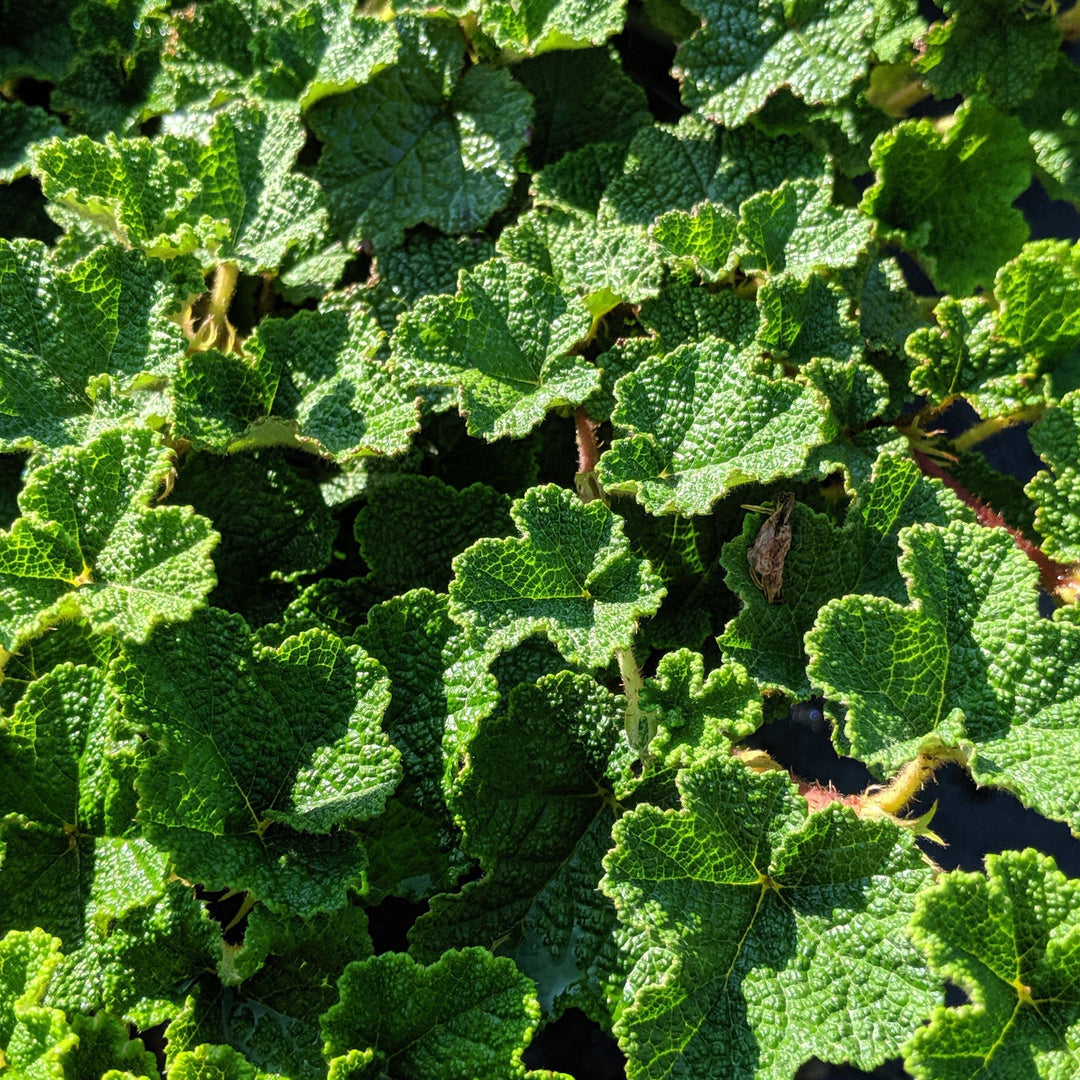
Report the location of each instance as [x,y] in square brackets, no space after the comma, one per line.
[576,1045]
[389,923]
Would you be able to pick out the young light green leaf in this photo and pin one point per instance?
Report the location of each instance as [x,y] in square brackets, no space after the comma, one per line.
[701,421]
[447,157]
[334,395]
[948,196]
[995,48]
[540,848]
[60,328]
[746,52]
[571,575]
[503,343]
[468,1016]
[695,715]
[742,895]
[89,544]
[704,237]
[967,664]
[1011,941]
[265,822]
[36,1038]
[796,229]
[1056,493]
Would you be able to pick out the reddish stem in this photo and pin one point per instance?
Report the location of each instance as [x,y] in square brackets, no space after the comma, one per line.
[1052,575]
[588,451]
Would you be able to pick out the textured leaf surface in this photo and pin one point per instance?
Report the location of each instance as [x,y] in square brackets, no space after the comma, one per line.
[442,152]
[466,1017]
[67,803]
[20,127]
[537,26]
[826,561]
[745,52]
[701,422]
[440,691]
[998,48]
[503,343]
[747,898]
[333,391]
[409,530]
[677,167]
[571,575]
[35,1037]
[264,822]
[540,849]
[948,197]
[968,662]
[89,543]
[1010,940]
[1054,125]
[106,315]
[1056,493]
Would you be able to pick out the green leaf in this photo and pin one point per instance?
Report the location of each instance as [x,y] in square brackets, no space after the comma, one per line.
[106,1051]
[20,127]
[466,1017]
[540,26]
[571,575]
[205,695]
[704,237]
[1053,122]
[804,320]
[440,691]
[319,48]
[1009,940]
[826,561]
[701,421]
[244,184]
[410,529]
[580,98]
[794,228]
[66,811]
[503,343]
[677,167]
[998,49]
[444,153]
[89,544]
[745,896]
[59,329]
[604,264]
[696,715]
[947,197]
[35,1037]
[132,189]
[540,848]
[967,664]
[334,395]
[745,52]
[1056,493]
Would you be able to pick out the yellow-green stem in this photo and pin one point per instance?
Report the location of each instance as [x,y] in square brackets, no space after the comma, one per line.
[985,428]
[907,783]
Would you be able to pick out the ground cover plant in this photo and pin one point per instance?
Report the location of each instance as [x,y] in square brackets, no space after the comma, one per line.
[429,460]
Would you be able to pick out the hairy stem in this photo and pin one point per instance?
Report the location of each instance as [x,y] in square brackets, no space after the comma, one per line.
[985,428]
[588,488]
[215,330]
[1056,578]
